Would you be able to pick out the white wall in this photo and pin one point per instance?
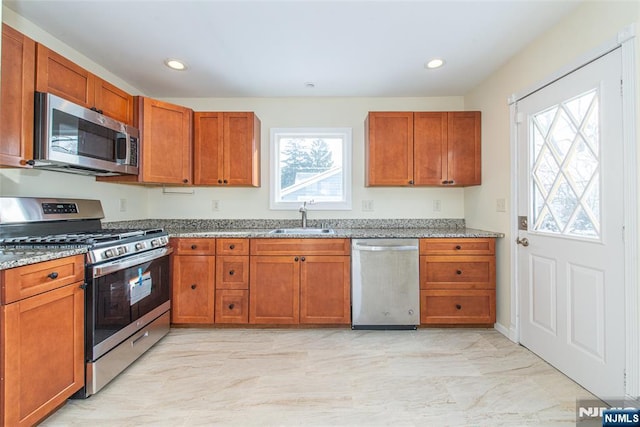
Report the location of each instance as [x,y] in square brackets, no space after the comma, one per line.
[144,202]
[313,112]
[588,27]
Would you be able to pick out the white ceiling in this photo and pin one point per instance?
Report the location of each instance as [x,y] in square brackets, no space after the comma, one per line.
[267,48]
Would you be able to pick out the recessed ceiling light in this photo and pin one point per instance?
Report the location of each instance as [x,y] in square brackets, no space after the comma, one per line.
[434,63]
[175,64]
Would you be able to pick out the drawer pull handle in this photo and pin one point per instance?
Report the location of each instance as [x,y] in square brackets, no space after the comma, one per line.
[232,272]
[458,272]
[194,286]
[458,247]
[231,306]
[194,246]
[458,306]
[232,246]
[53,275]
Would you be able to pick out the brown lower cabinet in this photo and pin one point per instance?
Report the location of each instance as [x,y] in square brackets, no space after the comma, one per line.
[295,281]
[41,339]
[193,291]
[457,281]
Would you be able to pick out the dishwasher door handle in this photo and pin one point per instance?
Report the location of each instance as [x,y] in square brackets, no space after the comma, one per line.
[385,248]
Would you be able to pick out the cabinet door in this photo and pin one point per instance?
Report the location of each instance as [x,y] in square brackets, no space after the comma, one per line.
[207,148]
[166,141]
[42,354]
[389,148]
[113,101]
[463,143]
[241,152]
[16,100]
[325,287]
[193,289]
[57,75]
[430,148]
[274,289]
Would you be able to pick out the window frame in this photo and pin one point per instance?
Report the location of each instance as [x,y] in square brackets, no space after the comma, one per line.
[308,132]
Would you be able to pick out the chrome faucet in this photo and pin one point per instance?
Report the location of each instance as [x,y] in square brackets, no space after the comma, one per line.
[303,211]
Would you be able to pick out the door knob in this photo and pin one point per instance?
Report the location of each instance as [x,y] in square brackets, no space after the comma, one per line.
[524,241]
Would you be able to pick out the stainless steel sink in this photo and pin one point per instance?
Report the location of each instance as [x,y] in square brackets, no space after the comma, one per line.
[302,231]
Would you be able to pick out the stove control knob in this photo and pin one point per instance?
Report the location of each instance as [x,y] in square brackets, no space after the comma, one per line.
[155,243]
[122,250]
[139,246]
[108,254]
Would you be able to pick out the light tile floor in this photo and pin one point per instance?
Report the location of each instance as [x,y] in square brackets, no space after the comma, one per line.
[332,377]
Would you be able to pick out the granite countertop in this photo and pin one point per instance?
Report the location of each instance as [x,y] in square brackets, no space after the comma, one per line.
[345,233]
[10,258]
[345,229]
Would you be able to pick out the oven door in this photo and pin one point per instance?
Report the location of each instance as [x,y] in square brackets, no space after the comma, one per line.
[124,296]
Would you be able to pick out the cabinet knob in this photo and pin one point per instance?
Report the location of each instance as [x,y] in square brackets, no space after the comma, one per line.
[194,246]
[225,181]
[458,272]
[194,286]
[411,182]
[451,182]
[458,247]
[219,181]
[295,259]
[231,306]
[303,258]
[53,275]
[185,181]
[458,307]
[232,272]
[232,246]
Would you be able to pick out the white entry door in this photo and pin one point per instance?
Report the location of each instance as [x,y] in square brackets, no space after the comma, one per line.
[571,255]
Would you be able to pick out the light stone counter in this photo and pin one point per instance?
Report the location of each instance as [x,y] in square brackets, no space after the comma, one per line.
[11,258]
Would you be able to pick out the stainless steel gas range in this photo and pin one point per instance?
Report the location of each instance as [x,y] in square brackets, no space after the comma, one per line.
[127,289]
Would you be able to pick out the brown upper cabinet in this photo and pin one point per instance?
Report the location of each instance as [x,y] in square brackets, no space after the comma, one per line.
[16,99]
[423,148]
[226,149]
[165,131]
[57,75]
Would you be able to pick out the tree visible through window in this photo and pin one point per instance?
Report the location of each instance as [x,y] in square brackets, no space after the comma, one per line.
[311,164]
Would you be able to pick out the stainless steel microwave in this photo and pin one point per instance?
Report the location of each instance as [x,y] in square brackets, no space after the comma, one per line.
[72,138]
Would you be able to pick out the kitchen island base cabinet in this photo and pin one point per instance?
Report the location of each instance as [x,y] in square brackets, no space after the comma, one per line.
[41,342]
[300,281]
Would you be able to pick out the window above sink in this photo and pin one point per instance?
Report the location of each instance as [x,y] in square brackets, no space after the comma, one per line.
[310,164]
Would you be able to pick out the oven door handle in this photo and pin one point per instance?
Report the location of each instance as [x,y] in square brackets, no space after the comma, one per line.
[123,263]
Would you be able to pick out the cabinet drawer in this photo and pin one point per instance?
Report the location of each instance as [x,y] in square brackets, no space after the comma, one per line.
[22,282]
[455,307]
[457,272]
[232,272]
[300,247]
[458,246]
[232,306]
[194,246]
[232,246]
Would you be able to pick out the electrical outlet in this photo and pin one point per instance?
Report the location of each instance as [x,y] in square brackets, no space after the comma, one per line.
[215,205]
[367,206]
[437,206]
[501,205]
[123,205]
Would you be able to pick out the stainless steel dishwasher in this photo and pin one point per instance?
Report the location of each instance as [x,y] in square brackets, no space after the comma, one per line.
[385,286]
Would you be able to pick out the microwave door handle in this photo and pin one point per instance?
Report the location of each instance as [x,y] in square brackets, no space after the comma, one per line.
[121,148]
